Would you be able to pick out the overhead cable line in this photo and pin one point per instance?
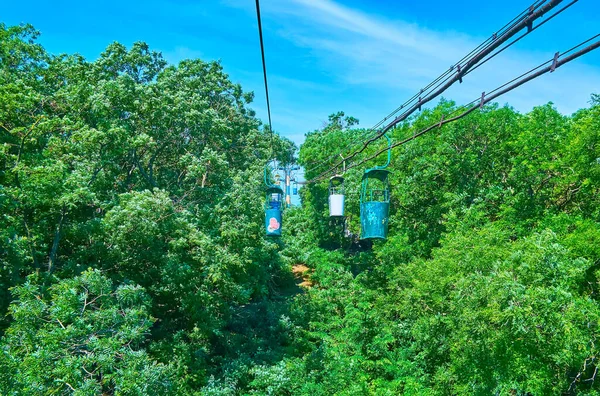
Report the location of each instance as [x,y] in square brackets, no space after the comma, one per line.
[466,58]
[521,36]
[447,75]
[546,67]
[461,71]
[264,65]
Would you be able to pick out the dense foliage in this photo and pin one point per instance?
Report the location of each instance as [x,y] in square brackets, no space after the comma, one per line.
[133,261]
[148,173]
[488,283]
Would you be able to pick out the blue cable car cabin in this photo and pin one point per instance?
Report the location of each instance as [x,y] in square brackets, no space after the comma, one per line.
[374,204]
[273,210]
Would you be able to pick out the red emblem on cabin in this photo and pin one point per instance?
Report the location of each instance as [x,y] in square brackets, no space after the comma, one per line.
[273,225]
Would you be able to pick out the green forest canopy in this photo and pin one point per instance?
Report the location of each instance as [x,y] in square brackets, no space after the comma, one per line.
[133,261]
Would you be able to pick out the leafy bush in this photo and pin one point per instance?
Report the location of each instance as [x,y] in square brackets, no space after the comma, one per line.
[86,337]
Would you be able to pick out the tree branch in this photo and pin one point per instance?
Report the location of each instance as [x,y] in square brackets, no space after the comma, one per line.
[57,234]
[153,158]
[148,179]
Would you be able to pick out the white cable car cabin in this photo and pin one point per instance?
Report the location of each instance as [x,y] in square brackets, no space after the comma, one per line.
[336,196]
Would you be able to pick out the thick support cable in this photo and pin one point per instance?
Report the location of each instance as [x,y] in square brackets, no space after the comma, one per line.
[522,36]
[440,79]
[552,65]
[446,75]
[475,60]
[461,72]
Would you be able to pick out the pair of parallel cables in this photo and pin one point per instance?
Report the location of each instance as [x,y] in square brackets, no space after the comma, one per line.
[482,54]
[547,67]
[440,84]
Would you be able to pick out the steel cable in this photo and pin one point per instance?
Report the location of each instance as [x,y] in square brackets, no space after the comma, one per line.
[532,74]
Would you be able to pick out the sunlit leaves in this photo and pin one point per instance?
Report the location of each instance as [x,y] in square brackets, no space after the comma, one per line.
[86,336]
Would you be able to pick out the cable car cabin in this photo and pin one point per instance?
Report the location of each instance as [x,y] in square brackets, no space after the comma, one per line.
[273,209]
[295,189]
[336,196]
[374,204]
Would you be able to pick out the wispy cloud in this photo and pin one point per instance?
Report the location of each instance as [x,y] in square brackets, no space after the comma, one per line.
[180,53]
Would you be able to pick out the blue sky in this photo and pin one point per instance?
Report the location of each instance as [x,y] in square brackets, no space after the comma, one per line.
[362,57]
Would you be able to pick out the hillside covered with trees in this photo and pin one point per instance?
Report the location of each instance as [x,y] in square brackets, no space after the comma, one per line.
[133,259]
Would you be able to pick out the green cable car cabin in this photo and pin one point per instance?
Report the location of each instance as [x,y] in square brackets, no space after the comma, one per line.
[375,201]
[374,204]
